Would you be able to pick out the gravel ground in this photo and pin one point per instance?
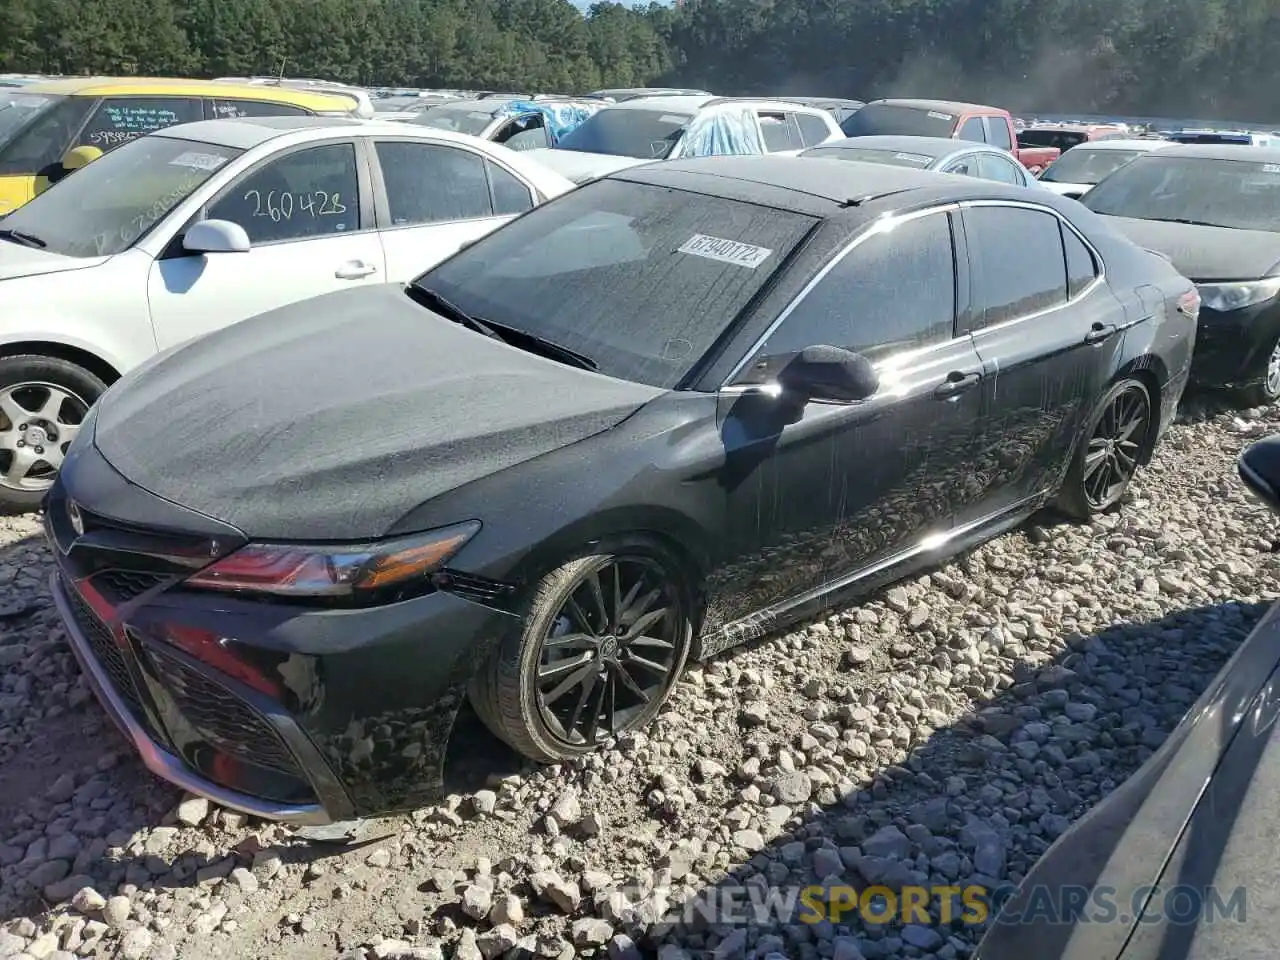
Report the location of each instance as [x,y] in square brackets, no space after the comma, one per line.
[946,731]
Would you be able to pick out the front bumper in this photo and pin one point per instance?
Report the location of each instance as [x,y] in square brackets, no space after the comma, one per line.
[284,712]
[1232,348]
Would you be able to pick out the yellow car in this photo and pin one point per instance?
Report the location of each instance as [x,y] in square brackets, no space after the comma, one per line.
[41,123]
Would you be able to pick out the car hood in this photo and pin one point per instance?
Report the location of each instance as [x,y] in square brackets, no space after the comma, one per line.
[1063,189]
[581,167]
[19,261]
[330,419]
[1206,253]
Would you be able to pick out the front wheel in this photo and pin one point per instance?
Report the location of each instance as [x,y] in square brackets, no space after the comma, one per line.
[1108,456]
[1267,391]
[603,641]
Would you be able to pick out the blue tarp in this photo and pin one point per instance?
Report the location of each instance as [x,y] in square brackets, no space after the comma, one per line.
[560,118]
[725,130]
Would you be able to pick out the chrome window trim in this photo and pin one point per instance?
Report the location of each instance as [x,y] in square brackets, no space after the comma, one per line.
[1098,279]
[881,225]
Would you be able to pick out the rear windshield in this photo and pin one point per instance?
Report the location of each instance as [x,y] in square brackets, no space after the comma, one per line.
[641,279]
[469,120]
[1083,165]
[1242,194]
[894,120]
[893,158]
[644,134]
[1064,140]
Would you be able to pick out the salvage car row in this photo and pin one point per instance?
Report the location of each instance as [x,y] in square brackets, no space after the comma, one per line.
[406,419]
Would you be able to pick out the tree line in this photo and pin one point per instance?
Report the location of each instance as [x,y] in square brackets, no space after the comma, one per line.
[1156,57]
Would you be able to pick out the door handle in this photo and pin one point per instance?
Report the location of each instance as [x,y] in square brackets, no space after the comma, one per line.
[1100,332]
[355,270]
[957,382]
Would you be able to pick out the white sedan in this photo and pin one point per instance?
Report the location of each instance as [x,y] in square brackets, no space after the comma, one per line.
[198,226]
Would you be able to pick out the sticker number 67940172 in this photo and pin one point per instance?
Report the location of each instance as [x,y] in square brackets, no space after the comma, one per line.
[282,205]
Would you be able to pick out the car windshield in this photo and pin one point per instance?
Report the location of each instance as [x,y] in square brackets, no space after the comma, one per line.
[471,120]
[1064,140]
[1083,165]
[641,279]
[644,134]
[894,158]
[890,119]
[1241,194]
[17,108]
[107,206]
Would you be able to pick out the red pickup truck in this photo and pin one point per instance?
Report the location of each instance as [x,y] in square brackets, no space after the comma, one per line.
[943,118]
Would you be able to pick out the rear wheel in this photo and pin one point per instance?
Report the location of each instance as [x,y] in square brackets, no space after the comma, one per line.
[43,401]
[1108,456]
[605,637]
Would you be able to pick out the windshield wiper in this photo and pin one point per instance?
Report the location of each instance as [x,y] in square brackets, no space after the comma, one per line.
[434,301]
[512,336]
[26,239]
[1194,223]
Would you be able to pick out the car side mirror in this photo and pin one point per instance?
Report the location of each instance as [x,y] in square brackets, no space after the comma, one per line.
[216,236]
[1259,468]
[829,373]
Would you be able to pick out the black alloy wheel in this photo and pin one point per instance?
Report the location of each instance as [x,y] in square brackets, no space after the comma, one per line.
[1109,456]
[604,641]
[1265,391]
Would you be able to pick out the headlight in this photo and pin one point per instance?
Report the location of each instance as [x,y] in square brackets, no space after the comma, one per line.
[345,572]
[1223,297]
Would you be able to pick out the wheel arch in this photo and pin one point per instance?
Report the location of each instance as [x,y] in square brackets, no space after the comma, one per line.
[95,364]
[1149,370]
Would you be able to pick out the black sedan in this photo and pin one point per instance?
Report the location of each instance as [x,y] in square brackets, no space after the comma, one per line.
[1177,862]
[1214,211]
[670,412]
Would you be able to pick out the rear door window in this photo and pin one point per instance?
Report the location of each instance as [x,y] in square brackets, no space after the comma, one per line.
[1082,268]
[1018,260]
[993,167]
[998,133]
[223,109]
[780,132]
[971,129]
[813,129]
[430,183]
[118,120]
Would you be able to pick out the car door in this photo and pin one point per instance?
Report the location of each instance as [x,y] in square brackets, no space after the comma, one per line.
[435,197]
[311,229]
[1033,324]
[834,488]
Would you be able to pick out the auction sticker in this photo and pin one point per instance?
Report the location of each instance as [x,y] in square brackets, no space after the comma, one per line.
[726,251]
[199,161]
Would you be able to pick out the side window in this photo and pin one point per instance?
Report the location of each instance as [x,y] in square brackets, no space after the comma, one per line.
[220,109]
[894,292]
[998,133]
[509,194]
[994,167]
[121,119]
[813,129]
[302,195]
[1018,261]
[46,138]
[972,130]
[965,167]
[779,132]
[530,139]
[1081,267]
[429,183]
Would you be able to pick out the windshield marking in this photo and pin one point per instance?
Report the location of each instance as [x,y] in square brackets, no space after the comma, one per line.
[726,251]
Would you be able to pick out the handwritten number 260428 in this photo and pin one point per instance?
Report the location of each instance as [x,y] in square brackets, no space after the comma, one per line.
[282,205]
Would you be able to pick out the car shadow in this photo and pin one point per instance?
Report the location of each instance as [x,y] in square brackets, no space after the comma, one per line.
[963,813]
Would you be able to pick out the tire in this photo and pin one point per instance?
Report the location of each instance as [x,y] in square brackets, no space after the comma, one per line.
[506,692]
[1267,391]
[1079,496]
[28,383]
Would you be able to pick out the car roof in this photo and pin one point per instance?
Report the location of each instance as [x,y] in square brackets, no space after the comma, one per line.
[317,99]
[1134,144]
[487,105]
[814,185]
[682,103]
[245,133]
[949,106]
[1224,151]
[934,147]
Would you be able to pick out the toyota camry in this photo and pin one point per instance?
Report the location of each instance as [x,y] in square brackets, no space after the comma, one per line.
[666,413]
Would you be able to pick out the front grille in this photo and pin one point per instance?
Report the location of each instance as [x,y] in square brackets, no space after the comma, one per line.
[106,651]
[221,718]
[120,586]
